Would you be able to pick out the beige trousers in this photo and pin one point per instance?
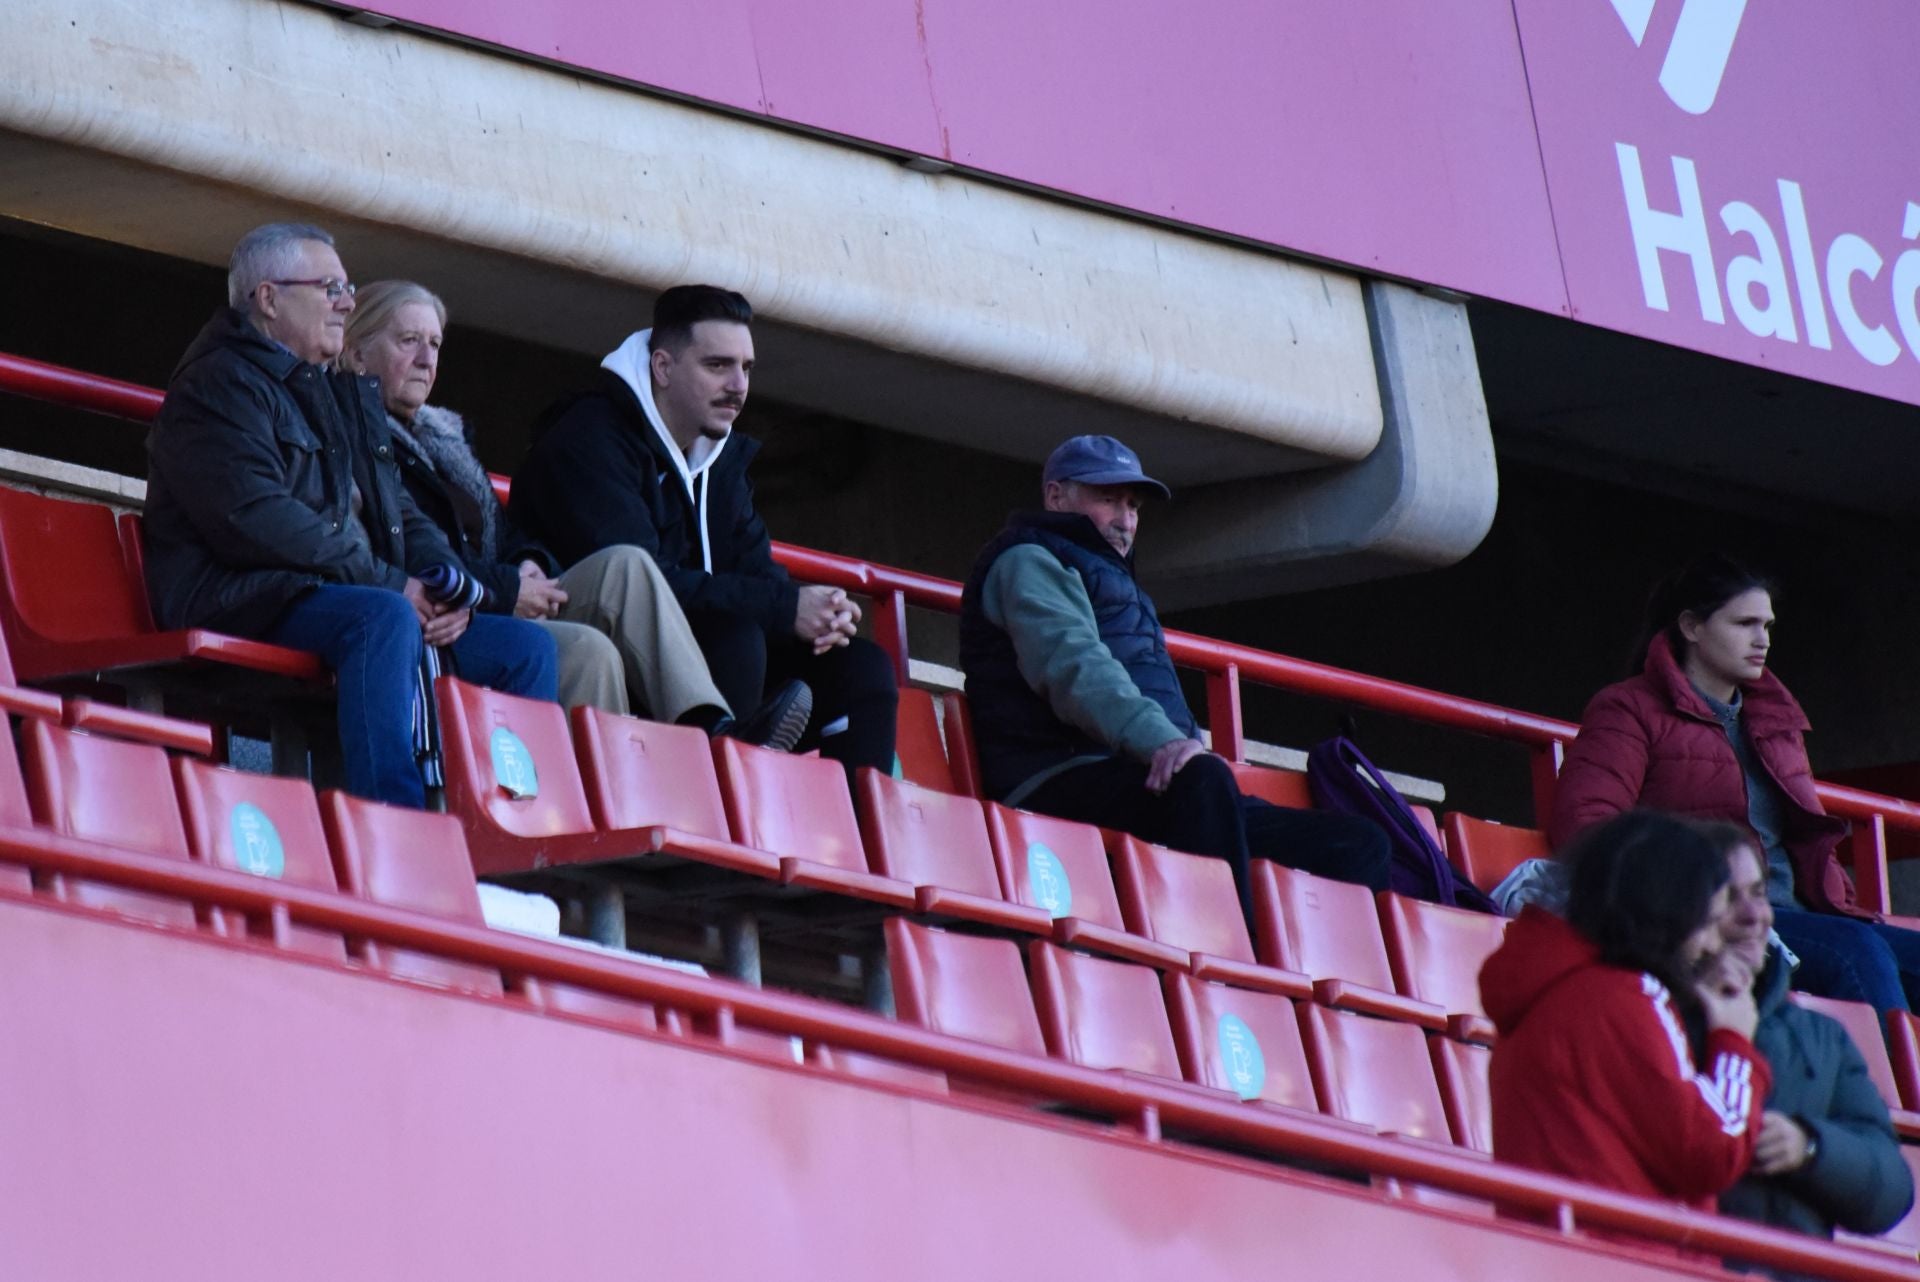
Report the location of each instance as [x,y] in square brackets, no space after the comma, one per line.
[624,642]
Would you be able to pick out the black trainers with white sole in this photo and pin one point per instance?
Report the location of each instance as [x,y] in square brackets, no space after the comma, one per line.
[778,723]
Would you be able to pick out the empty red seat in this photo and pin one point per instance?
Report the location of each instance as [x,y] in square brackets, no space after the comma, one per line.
[1102,1014]
[1437,953]
[1486,852]
[1903,1046]
[514,783]
[1189,902]
[963,985]
[963,757]
[1863,1025]
[113,792]
[1374,1071]
[937,842]
[797,809]
[411,859]
[917,743]
[1061,867]
[639,773]
[1237,1040]
[1281,787]
[1330,931]
[72,599]
[1460,1068]
[263,825]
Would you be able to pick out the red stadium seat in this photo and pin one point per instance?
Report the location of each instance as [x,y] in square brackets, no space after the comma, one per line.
[72,599]
[1486,852]
[938,843]
[1461,1070]
[963,757]
[1903,1046]
[1330,931]
[1235,1040]
[263,825]
[963,985]
[1437,953]
[1281,787]
[1863,1025]
[116,793]
[1101,1014]
[917,742]
[1189,902]
[410,859]
[640,773]
[797,809]
[513,781]
[100,718]
[1374,1071]
[1061,867]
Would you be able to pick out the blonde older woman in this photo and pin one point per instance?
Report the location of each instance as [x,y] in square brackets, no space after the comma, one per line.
[624,643]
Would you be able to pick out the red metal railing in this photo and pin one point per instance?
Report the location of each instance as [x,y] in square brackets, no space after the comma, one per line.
[1224,665]
[1146,1107]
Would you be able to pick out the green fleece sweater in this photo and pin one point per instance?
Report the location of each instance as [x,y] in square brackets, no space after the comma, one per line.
[1043,606]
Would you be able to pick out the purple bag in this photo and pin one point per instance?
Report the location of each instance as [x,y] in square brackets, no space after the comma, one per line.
[1343,779]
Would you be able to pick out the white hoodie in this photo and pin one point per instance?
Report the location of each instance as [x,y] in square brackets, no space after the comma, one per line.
[632,362]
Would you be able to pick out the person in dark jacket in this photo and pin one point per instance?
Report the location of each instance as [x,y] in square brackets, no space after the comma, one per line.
[650,458]
[624,643]
[1077,710]
[1826,1156]
[1707,731]
[275,510]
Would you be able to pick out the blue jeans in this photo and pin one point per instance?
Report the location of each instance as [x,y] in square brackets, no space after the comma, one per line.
[1855,960]
[370,637]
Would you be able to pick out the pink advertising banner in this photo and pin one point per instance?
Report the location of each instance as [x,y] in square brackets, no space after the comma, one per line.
[1736,178]
[1739,178]
[1393,135]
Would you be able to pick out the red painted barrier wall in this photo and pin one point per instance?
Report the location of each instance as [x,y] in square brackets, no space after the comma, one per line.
[176,1108]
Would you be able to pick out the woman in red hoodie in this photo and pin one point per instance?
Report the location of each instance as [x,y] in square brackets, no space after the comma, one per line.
[1615,1063]
[1705,730]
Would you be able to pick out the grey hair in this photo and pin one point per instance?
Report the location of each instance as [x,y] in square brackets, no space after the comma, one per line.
[265,253]
[376,306]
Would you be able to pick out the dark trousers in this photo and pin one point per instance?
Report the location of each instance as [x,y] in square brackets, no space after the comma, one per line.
[1851,959]
[370,637]
[1203,812]
[855,693]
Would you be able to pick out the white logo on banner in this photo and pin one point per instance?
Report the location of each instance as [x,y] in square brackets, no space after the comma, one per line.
[1702,43]
[1789,284]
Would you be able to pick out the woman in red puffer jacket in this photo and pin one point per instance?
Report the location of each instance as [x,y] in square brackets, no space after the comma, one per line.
[1705,730]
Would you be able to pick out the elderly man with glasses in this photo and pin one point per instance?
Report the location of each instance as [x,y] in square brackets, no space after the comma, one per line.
[275,510]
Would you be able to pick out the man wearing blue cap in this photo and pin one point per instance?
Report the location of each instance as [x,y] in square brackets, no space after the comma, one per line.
[1077,710]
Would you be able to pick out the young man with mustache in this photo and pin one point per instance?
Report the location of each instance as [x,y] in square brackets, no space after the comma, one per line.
[649,457]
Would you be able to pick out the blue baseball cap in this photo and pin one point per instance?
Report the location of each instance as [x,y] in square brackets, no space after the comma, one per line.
[1098,460]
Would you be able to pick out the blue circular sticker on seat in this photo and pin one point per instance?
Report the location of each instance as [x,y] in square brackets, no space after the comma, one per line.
[513,764]
[1047,880]
[256,842]
[1241,1056]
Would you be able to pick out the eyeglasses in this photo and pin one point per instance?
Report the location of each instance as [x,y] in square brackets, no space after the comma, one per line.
[334,288]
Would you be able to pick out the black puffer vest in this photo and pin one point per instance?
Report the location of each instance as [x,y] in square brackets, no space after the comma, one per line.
[1017,732]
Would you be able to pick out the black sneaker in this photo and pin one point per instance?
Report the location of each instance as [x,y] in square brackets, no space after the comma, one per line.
[778,723]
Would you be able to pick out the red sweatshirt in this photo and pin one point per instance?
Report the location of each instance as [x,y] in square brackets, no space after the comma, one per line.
[1592,1077]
